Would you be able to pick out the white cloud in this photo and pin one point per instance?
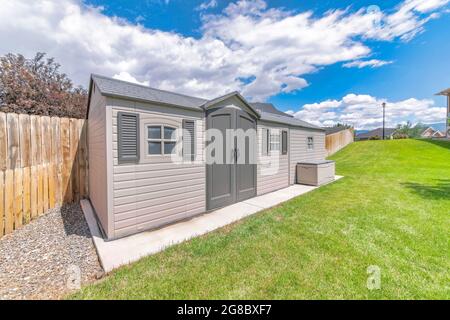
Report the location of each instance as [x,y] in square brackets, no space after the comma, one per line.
[125,76]
[207,5]
[275,48]
[374,63]
[365,112]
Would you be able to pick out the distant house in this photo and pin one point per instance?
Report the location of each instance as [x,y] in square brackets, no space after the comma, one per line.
[377,133]
[430,132]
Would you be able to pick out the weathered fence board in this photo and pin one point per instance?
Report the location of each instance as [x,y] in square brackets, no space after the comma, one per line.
[18,198]
[43,163]
[13,160]
[2,202]
[336,141]
[9,201]
[3,142]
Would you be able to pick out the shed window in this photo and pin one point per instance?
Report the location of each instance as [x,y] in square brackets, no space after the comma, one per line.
[310,143]
[161,140]
[274,140]
[284,142]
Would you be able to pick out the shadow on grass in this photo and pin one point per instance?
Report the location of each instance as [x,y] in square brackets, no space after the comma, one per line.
[441,190]
[441,143]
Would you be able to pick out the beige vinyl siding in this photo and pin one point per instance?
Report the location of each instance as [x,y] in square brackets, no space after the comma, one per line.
[299,148]
[156,191]
[278,178]
[98,191]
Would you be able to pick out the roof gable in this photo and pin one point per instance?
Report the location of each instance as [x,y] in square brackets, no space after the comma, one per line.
[211,103]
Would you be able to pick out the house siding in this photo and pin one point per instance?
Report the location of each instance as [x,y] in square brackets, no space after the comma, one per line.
[156,191]
[298,148]
[268,180]
[98,180]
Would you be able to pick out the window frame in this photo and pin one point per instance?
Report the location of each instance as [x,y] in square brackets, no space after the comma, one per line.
[162,140]
[277,143]
[310,144]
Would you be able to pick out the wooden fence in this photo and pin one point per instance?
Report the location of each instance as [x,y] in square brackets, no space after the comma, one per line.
[43,164]
[336,141]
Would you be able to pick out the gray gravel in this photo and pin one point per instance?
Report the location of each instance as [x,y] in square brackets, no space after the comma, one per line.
[42,259]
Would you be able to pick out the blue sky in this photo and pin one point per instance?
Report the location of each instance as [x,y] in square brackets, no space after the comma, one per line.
[323,61]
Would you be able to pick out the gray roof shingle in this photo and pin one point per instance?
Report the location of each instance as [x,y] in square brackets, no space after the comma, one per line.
[266,116]
[122,89]
[119,88]
[269,108]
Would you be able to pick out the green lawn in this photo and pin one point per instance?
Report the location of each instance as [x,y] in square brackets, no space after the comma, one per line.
[391,210]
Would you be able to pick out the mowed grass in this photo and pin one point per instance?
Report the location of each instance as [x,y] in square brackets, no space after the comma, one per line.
[391,210]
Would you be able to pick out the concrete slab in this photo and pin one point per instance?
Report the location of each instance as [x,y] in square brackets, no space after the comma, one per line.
[113,254]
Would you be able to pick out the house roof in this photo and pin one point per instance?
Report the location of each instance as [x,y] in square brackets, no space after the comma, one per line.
[266,116]
[377,132]
[331,130]
[444,92]
[226,96]
[122,89]
[128,90]
[269,108]
[433,130]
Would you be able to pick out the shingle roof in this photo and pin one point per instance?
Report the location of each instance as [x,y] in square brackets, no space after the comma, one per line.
[122,89]
[266,116]
[119,88]
[377,132]
[269,108]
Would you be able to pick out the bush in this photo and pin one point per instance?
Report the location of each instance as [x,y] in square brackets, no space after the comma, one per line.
[375,138]
[36,86]
[400,136]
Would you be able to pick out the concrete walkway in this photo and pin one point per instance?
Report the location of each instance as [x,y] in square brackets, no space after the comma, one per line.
[113,254]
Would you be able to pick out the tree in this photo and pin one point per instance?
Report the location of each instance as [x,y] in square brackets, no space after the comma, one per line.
[36,86]
[409,130]
[344,125]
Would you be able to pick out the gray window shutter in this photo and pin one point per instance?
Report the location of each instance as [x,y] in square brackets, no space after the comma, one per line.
[284,142]
[189,140]
[265,142]
[128,137]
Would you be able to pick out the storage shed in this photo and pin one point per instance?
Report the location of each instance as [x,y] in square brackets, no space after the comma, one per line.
[148,152]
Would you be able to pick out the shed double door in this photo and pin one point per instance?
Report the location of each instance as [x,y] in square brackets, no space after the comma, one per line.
[229,182]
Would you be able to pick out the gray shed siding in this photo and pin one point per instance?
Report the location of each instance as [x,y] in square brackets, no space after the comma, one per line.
[298,148]
[156,191]
[267,180]
[98,178]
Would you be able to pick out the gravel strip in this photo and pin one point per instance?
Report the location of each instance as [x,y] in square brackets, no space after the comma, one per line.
[42,259]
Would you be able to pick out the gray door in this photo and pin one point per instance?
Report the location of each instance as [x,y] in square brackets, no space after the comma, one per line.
[245,172]
[230,182]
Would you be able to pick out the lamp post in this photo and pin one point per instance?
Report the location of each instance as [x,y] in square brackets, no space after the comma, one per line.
[384,117]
